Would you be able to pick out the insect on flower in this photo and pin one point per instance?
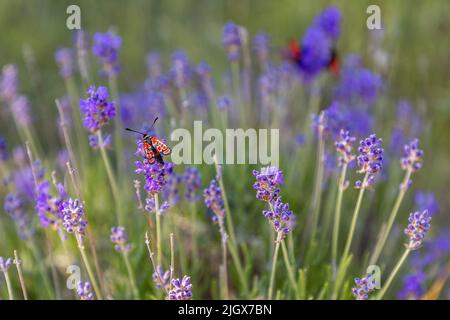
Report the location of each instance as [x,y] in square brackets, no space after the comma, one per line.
[154,149]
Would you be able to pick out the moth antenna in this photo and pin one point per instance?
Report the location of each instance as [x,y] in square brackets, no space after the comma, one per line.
[153,123]
[132,130]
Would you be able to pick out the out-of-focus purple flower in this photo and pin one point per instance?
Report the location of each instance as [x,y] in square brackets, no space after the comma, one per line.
[161,278]
[262,47]
[181,290]
[224,103]
[419,223]
[316,51]
[413,286]
[280,216]
[120,238]
[181,71]
[329,21]
[14,207]
[363,287]
[9,83]
[341,116]
[214,201]
[81,40]
[426,201]
[84,291]
[3,150]
[24,180]
[412,160]
[300,139]
[5,263]
[232,41]
[344,147]
[61,159]
[97,109]
[203,70]
[370,159]
[20,108]
[408,125]
[171,189]
[48,206]
[151,207]
[156,176]
[66,116]
[106,48]
[193,182]
[74,220]
[94,142]
[267,183]
[64,58]
[154,65]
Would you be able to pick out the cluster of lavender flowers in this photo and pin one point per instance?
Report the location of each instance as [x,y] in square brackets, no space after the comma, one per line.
[14,206]
[419,224]
[192,181]
[98,111]
[267,189]
[106,48]
[369,160]
[412,160]
[156,176]
[48,206]
[64,58]
[363,287]
[344,147]
[5,264]
[232,41]
[120,238]
[84,291]
[181,290]
[214,201]
[161,278]
[73,216]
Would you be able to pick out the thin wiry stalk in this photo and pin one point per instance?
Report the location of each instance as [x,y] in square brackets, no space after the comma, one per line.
[152,259]
[52,265]
[131,275]
[172,260]
[18,264]
[98,293]
[393,274]
[337,219]
[384,233]
[118,130]
[274,265]
[158,231]
[224,272]
[8,285]
[290,271]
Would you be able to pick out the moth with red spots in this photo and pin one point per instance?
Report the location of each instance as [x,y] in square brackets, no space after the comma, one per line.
[294,53]
[154,149]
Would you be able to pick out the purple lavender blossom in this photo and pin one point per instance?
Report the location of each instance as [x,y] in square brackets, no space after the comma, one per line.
[49,207]
[370,159]
[412,160]
[106,48]
[343,116]
[5,264]
[120,238]
[316,51]
[73,216]
[329,21]
[182,290]
[84,291]
[181,71]
[419,224]
[192,181]
[171,189]
[156,176]
[151,207]
[97,109]
[23,177]
[231,41]
[14,207]
[9,83]
[94,142]
[64,58]
[267,182]
[344,147]
[363,287]
[413,286]
[3,150]
[214,201]
[426,201]
[281,218]
[262,47]
[154,65]
[224,103]
[20,108]
[161,278]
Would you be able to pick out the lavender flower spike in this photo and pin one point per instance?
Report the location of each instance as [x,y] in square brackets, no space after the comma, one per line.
[73,216]
[182,290]
[363,287]
[214,201]
[161,278]
[281,218]
[232,41]
[5,263]
[97,109]
[344,147]
[267,182]
[106,48]
[412,160]
[370,159]
[84,291]
[64,58]
[419,224]
[120,238]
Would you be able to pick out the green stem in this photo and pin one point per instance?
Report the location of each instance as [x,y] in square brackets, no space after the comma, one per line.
[385,231]
[118,123]
[88,268]
[111,178]
[289,270]
[393,274]
[8,285]
[18,264]
[274,265]
[337,218]
[158,232]
[131,275]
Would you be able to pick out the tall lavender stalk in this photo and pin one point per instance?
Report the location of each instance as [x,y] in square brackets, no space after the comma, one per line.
[412,162]
[18,263]
[5,263]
